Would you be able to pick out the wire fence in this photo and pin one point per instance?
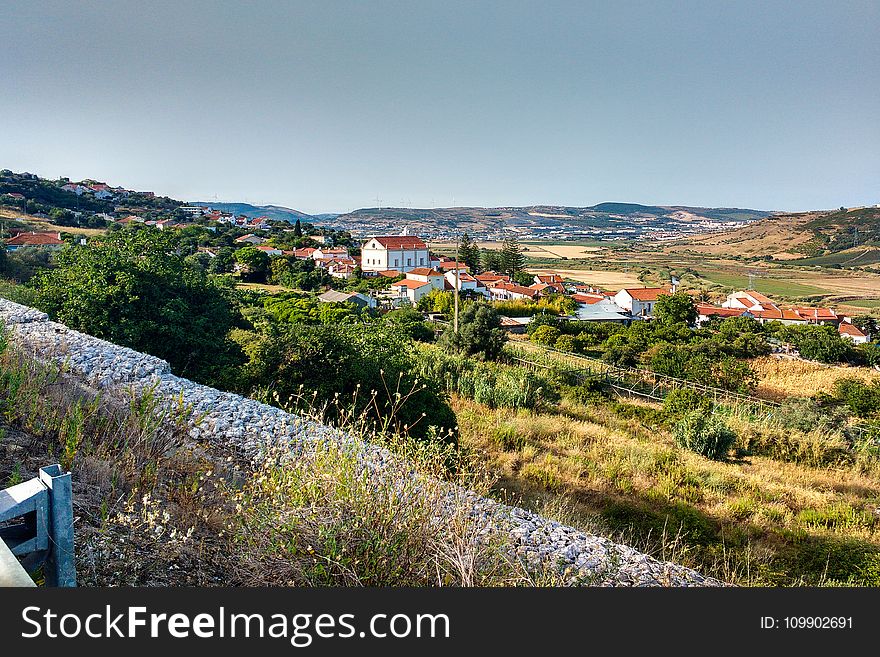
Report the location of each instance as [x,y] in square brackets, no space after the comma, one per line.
[640,382]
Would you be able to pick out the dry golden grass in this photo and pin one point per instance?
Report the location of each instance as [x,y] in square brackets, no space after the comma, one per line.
[779,378]
[754,521]
[44,224]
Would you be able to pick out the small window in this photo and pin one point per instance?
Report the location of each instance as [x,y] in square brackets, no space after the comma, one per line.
[421,261]
[395,262]
[409,262]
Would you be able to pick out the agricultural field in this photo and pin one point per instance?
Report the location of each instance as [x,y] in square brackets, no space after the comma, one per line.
[611,280]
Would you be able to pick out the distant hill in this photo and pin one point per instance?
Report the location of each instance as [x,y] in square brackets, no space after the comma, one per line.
[807,235]
[278,212]
[603,221]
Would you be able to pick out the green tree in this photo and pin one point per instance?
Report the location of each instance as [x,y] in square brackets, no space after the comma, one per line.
[511,260]
[675,308]
[253,262]
[297,228]
[479,333]
[469,253]
[355,370]
[135,289]
[491,260]
[410,322]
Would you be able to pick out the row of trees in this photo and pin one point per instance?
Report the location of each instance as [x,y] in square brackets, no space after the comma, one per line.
[508,260]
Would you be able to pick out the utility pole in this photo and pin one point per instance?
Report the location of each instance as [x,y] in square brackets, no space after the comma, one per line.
[455,320]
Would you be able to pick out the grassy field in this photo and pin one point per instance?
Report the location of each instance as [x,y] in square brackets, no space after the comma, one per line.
[772,287]
[754,520]
[779,378]
[264,287]
[862,303]
[39,223]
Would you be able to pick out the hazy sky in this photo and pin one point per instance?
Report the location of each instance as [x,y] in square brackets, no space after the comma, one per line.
[326,105]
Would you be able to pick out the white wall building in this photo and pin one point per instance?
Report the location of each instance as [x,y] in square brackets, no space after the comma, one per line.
[402,253]
[639,301]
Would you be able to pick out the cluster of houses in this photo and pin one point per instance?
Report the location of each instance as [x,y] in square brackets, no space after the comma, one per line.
[417,272]
[423,272]
[749,303]
[100,191]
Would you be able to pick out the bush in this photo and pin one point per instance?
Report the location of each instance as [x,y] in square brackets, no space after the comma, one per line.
[683,401]
[804,414]
[704,434]
[589,392]
[862,398]
[505,387]
[546,335]
[479,333]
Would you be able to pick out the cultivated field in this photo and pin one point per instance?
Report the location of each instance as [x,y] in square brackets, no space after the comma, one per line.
[611,280]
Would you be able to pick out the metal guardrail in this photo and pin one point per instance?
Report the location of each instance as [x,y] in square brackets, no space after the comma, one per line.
[36,525]
[641,382]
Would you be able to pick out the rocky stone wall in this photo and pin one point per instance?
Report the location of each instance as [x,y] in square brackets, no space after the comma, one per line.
[250,427]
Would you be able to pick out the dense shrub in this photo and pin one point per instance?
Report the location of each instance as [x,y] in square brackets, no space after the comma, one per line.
[479,333]
[546,335]
[683,401]
[356,370]
[506,387]
[704,434]
[411,323]
[862,398]
[817,342]
[805,414]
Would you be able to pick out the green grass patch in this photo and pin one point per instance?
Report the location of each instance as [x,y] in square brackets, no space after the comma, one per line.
[769,286]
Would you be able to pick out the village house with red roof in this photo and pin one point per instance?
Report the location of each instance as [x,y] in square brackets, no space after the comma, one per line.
[41,240]
[640,301]
[400,252]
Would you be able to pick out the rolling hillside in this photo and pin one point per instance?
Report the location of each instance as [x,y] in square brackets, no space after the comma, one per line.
[278,212]
[806,238]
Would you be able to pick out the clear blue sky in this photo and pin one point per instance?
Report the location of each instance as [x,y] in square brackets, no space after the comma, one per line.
[327,105]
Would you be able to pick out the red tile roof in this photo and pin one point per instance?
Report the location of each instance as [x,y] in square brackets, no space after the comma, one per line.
[587,298]
[707,310]
[452,265]
[401,242]
[516,289]
[35,239]
[410,283]
[646,293]
[760,298]
[846,328]
[389,273]
[424,271]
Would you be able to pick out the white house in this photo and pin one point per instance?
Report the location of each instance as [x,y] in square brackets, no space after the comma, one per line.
[401,253]
[466,283]
[852,332]
[76,188]
[639,301]
[511,291]
[411,289]
[427,275]
[270,251]
[336,253]
[250,239]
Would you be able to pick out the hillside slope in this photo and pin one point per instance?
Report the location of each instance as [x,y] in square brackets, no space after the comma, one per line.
[795,236]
